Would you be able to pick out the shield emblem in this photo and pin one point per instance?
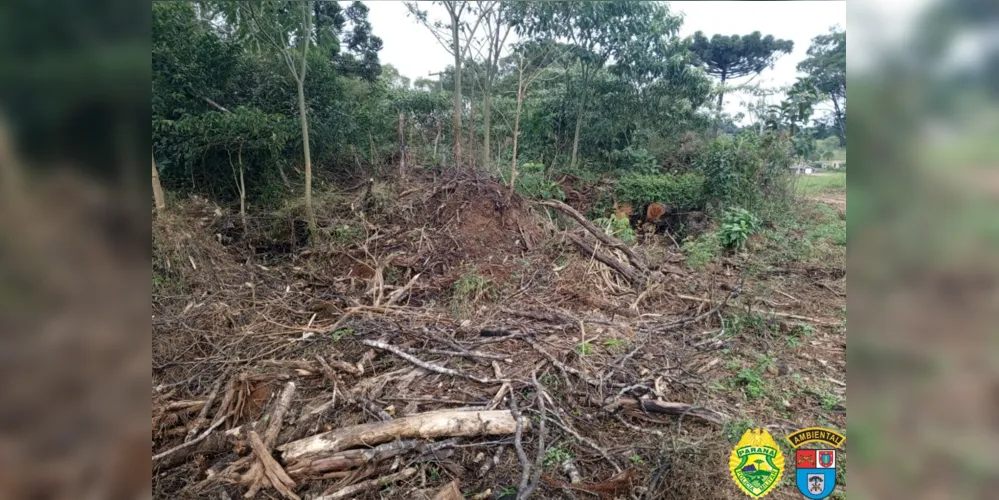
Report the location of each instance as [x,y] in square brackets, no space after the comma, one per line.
[816,473]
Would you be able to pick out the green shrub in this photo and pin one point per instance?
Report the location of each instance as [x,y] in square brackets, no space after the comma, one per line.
[682,192]
[737,226]
[631,159]
[748,170]
[468,290]
[533,183]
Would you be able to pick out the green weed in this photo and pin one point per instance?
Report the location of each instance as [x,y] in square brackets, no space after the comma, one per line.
[584,349]
[737,226]
[811,185]
[346,234]
[341,333]
[734,429]
[618,228]
[617,345]
[829,401]
[556,455]
[636,460]
[752,385]
[702,250]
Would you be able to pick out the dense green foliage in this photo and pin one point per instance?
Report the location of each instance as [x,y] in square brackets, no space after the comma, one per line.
[615,93]
[683,192]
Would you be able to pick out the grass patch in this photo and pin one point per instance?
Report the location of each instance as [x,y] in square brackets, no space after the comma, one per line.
[816,184]
[468,291]
[734,429]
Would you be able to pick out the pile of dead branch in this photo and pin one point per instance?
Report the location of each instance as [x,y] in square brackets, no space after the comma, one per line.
[317,376]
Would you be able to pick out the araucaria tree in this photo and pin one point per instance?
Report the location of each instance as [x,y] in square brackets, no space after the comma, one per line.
[737,56]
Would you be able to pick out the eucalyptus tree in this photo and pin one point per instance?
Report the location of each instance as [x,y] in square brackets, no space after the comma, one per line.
[737,56]
[455,36]
[283,29]
[497,24]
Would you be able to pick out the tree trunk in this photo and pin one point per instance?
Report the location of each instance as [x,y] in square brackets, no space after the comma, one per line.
[402,146]
[470,146]
[309,213]
[486,116]
[456,46]
[430,425]
[579,116]
[840,125]
[718,108]
[575,137]
[300,77]
[158,190]
[242,187]
[437,138]
[516,125]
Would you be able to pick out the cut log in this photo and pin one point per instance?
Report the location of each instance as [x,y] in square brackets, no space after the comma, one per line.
[429,425]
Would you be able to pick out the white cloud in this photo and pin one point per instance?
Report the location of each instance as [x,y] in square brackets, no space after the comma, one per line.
[415,52]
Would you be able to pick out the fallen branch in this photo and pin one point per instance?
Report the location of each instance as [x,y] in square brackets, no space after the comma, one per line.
[560,365]
[528,486]
[518,444]
[200,419]
[192,442]
[429,425]
[350,491]
[398,294]
[819,321]
[258,473]
[351,459]
[599,233]
[272,470]
[425,365]
[590,251]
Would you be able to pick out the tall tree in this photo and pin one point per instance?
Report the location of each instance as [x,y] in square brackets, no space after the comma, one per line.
[454,36]
[826,69]
[286,29]
[736,56]
[538,58]
[497,26]
[597,30]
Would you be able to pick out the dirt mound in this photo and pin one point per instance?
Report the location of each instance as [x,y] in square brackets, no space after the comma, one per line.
[480,224]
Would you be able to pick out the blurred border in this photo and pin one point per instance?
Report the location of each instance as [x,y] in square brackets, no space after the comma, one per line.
[924,216]
[74,249]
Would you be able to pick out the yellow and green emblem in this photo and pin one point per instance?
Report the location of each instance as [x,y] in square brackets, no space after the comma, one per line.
[756,463]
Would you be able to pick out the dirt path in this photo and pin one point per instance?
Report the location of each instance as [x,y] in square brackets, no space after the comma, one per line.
[836,199]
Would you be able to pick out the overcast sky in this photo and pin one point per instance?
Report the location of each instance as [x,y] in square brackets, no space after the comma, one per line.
[415,52]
